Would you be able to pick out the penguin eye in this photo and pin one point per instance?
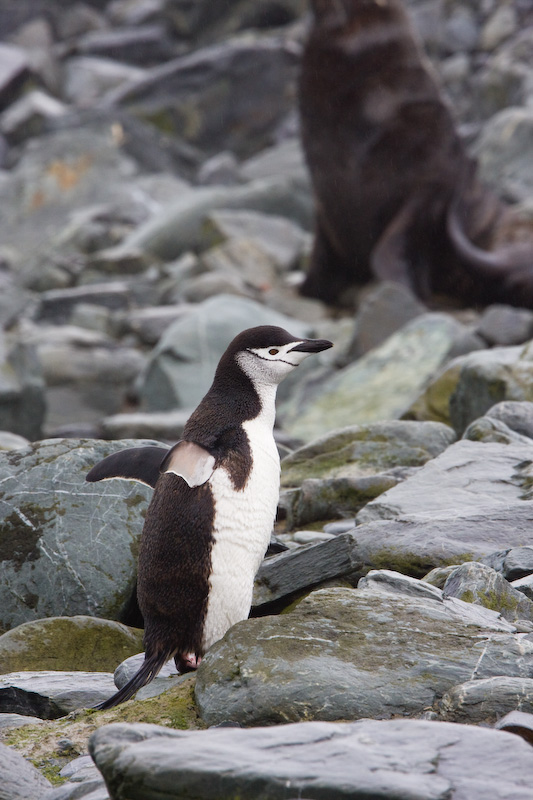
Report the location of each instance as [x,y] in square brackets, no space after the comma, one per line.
[273,351]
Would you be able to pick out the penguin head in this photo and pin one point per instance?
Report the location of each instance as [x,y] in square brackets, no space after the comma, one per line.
[267,354]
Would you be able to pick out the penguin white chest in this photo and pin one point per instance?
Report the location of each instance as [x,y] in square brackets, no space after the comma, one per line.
[242,527]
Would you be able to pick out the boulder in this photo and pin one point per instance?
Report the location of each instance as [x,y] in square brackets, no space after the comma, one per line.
[20,780]
[487,378]
[391,759]
[486,700]
[50,695]
[228,96]
[380,385]
[67,644]
[68,547]
[394,646]
[464,505]
[477,583]
[360,450]
[177,229]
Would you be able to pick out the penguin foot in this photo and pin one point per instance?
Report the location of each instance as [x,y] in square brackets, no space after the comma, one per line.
[187,662]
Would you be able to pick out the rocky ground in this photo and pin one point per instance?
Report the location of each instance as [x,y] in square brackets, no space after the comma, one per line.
[154,202]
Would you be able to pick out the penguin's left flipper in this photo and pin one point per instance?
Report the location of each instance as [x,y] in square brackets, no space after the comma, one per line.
[134,464]
[190,461]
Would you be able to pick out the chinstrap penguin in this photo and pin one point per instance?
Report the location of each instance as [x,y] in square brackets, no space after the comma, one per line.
[215,497]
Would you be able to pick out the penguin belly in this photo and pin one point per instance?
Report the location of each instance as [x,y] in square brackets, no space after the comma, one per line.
[243,522]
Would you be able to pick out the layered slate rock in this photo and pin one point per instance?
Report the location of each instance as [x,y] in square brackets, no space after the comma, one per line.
[50,695]
[19,780]
[295,571]
[470,501]
[68,547]
[393,647]
[68,643]
[392,760]
[487,700]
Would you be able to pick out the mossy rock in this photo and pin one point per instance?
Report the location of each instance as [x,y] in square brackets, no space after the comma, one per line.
[43,744]
[79,643]
[361,450]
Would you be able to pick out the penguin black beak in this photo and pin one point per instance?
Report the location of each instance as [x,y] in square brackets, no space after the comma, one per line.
[311,346]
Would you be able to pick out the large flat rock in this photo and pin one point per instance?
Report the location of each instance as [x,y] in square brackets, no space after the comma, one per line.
[389,760]
[391,648]
[470,501]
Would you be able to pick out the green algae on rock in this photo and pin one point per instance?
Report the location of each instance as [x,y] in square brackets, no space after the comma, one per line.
[67,644]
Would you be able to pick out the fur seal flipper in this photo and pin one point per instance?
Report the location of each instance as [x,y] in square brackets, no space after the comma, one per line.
[134,464]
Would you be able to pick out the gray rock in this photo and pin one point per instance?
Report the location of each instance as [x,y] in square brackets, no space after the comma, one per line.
[462,506]
[57,305]
[14,69]
[362,450]
[500,25]
[504,152]
[488,429]
[382,312]
[504,325]
[87,79]
[380,385]
[463,478]
[88,375]
[142,45]
[178,229]
[517,563]
[127,669]
[302,569]
[524,585]
[68,547]
[67,643]
[85,781]
[279,238]
[50,695]
[19,780]
[485,701]
[22,401]
[181,367]
[28,116]
[17,720]
[325,499]
[149,324]
[477,583]
[162,425]
[398,759]
[229,96]
[487,378]
[518,415]
[351,653]
[518,722]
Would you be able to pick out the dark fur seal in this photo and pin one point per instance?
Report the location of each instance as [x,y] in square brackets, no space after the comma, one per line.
[397,197]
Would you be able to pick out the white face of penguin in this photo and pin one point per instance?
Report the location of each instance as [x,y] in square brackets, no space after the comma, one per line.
[269,365]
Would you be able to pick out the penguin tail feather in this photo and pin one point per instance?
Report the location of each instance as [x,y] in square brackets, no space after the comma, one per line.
[147,672]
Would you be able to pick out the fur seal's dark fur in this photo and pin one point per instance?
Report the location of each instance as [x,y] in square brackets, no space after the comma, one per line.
[397,197]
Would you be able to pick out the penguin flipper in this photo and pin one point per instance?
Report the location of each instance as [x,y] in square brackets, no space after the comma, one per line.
[136,463]
[190,461]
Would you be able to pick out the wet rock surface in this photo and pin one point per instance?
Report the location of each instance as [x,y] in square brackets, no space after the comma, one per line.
[155,202]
